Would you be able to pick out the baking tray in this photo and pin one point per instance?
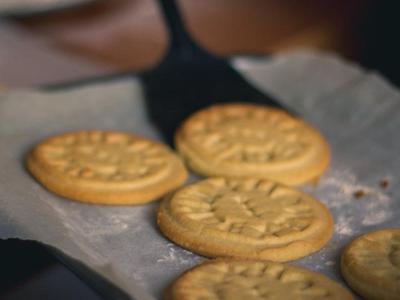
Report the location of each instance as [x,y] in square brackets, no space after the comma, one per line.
[358,112]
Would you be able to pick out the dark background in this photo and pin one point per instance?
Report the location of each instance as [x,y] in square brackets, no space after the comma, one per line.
[130,35]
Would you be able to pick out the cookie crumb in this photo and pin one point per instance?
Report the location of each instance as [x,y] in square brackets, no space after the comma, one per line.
[384,183]
[359,194]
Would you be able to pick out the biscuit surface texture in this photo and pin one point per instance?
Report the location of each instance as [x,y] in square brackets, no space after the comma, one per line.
[106,167]
[247,218]
[371,265]
[251,140]
[253,280]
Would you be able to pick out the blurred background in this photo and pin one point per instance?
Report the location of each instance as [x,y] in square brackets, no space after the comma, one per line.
[105,36]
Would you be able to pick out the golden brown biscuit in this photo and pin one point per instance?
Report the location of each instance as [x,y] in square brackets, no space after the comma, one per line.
[252,280]
[247,140]
[371,265]
[106,167]
[246,218]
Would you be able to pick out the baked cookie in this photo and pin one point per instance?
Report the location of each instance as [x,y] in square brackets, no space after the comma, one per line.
[106,167]
[254,141]
[245,218]
[246,279]
[371,265]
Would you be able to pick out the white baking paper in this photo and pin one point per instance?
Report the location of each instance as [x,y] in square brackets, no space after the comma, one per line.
[358,112]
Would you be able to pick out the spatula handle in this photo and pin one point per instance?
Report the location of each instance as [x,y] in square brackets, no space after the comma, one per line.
[180,40]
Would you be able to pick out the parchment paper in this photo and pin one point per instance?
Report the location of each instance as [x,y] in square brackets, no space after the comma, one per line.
[358,112]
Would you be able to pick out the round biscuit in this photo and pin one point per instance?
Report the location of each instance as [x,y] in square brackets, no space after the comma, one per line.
[246,140]
[248,279]
[106,167]
[371,265]
[245,218]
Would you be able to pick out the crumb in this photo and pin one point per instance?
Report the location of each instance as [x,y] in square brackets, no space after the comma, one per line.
[359,194]
[384,183]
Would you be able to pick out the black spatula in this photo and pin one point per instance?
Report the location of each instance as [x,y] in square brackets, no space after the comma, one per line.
[189,78]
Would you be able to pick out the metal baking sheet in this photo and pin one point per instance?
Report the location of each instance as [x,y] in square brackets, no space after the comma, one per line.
[358,112]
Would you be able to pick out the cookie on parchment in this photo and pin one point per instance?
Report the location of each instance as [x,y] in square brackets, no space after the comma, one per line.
[245,218]
[246,279]
[248,140]
[106,167]
[371,265]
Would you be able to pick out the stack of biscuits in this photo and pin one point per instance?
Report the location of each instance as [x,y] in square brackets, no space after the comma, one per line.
[247,212]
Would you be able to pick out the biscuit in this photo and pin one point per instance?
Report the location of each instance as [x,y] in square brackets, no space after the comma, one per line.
[371,265]
[245,218]
[246,140]
[247,279]
[105,167]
